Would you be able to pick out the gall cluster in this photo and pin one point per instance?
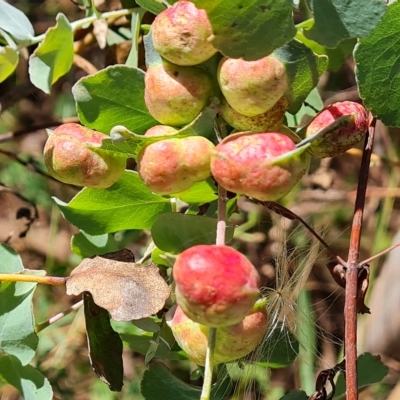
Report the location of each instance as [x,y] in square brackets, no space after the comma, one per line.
[216,286]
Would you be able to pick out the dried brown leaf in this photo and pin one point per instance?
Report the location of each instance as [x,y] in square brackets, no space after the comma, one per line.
[126,290]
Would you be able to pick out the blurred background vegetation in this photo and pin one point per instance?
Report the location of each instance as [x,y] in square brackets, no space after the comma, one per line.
[325,198]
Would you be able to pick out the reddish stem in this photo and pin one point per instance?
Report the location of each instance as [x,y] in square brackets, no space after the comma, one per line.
[350,309]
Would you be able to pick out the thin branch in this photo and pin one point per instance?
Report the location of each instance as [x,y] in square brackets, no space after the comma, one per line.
[31,166]
[84,64]
[16,94]
[57,317]
[285,212]
[46,280]
[352,270]
[6,137]
[383,252]
[75,25]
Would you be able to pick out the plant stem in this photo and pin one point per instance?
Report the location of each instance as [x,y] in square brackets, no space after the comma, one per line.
[208,369]
[212,334]
[57,317]
[221,225]
[350,308]
[81,22]
[47,280]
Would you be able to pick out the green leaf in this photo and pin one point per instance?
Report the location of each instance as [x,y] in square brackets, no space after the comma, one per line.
[280,348]
[28,380]
[5,38]
[141,345]
[199,193]
[176,232]
[53,58]
[249,29]
[378,68]
[159,383]
[17,333]
[16,23]
[202,125]
[146,324]
[129,144]
[339,55]
[133,57]
[337,20]
[105,345]
[85,245]
[303,68]
[127,204]
[295,395]
[300,153]
[314,99]
[370,370]
[10,261]
[113,96]
[8,62]
[158,257]
[154,6]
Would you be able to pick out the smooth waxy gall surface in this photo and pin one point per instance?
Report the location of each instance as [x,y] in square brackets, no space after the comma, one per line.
[175,95]
[343,138]
[215,285]
[268,121]
[232,342]
[242,164]
[252,87]
[174,165]
[182,34]
[69,159]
